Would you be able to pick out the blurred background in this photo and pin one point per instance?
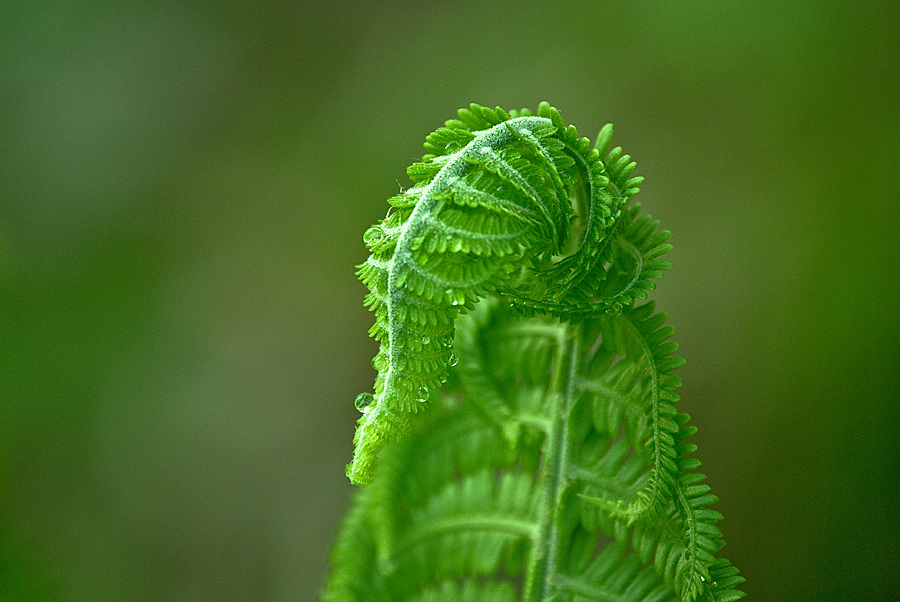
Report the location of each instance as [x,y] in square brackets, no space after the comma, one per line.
[184,185]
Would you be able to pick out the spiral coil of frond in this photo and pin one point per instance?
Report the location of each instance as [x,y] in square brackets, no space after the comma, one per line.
[491,205]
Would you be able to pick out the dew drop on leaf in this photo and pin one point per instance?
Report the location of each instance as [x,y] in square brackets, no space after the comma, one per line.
[422,394]
[363,400]
[454,359]
[373,236]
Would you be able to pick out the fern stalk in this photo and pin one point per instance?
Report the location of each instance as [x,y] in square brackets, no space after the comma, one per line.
[553,469]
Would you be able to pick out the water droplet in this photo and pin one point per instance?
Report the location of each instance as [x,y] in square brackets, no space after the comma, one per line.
[422,394]
[373,236]
[380,363]
[454,359]
[614,310]
[455,303]
[363,401]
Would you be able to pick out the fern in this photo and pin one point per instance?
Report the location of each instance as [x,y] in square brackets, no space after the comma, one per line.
[552,462]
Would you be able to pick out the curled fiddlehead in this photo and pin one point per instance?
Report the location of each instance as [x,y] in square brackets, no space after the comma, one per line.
[514,204]
[553,463]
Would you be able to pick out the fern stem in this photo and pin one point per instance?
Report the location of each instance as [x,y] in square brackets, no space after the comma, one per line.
[561,394]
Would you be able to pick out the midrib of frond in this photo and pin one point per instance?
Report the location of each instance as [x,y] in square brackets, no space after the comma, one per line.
[454,168]
[468,523]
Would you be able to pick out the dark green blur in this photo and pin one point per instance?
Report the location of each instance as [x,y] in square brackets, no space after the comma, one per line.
[183,192]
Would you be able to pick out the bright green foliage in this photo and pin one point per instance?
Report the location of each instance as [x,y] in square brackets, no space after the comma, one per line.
[552,463]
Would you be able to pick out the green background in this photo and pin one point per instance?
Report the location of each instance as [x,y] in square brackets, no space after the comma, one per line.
[183,191]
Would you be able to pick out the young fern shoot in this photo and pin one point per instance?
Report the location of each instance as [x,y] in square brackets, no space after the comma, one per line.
[552,462]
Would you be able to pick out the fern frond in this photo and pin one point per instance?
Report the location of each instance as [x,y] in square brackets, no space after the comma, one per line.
[646,345]
[617,574]
[685,551]
[478,512]
[723,583]
[552,463]
[491,199]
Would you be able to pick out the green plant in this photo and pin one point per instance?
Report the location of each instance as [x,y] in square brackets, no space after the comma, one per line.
[552,463]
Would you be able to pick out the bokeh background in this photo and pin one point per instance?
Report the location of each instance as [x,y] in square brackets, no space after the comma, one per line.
[183,190]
